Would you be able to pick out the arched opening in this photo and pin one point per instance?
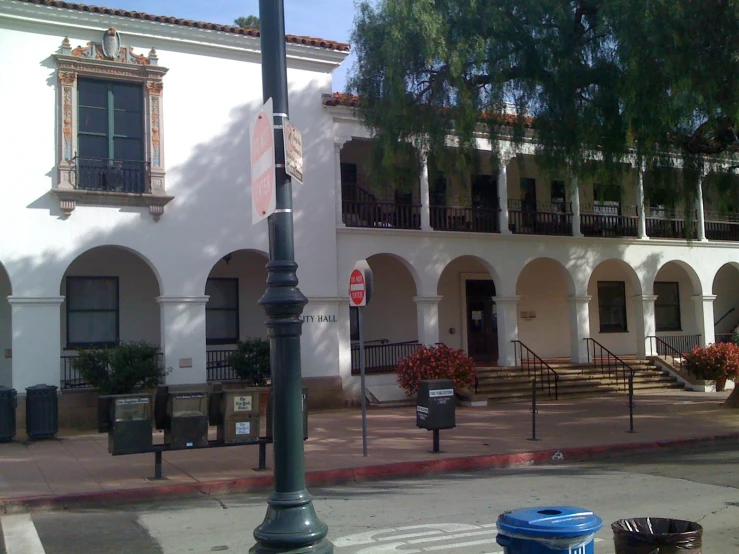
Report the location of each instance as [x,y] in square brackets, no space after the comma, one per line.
[6,334]
[468,315]
[676,320]
[726,304]
[614,318]
[234,286]
[110,296]
[544,319]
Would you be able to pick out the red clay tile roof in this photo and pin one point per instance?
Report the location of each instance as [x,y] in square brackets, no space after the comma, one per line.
[292,39]
[352,101]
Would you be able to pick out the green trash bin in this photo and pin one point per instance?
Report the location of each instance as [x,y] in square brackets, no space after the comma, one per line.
[8,403]
[42,411]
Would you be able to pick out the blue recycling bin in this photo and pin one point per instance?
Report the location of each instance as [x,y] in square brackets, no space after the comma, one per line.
[548,530]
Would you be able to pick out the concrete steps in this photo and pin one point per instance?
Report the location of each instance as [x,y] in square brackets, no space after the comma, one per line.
[497,385]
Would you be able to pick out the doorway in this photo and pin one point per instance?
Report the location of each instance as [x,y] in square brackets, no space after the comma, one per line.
[482,320]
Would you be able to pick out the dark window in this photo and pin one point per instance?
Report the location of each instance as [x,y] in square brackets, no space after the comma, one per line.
[667,306]
[354,323]
[111,149]
[92,311]
[612,306]
[484,192]
[606,199]
[437,188]
[222,311]
[558,196]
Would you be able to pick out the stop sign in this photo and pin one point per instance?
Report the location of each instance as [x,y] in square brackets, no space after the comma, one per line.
[262,164]
[357,290]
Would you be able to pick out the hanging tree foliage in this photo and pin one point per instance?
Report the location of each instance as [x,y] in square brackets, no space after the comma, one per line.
[654,79]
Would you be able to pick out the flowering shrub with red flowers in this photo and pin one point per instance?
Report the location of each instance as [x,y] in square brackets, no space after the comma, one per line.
[435,362]
[716,362]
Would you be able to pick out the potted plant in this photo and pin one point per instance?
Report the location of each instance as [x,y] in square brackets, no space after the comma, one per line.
[121,368]
[717,362]
[436,362]
[251,362]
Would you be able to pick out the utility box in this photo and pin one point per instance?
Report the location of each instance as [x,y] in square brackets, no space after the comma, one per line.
[270,412]
[8,403]
[187,414]
[240,416]
[130,429]
[435,407]
[42,411]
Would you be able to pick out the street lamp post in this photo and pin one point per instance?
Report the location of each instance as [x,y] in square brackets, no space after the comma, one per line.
[291,524]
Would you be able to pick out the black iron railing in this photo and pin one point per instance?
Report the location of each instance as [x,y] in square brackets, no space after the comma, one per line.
[217,367]
[382,358]
[721,226]
[540,218]
[609,364]
[103,175]
[474,220]
[658,347]
[681,343]
[609,221]
[376,213]
[545,375]
[71,379]
[723,337]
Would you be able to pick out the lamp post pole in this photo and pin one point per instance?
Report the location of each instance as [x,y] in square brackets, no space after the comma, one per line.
[291,524]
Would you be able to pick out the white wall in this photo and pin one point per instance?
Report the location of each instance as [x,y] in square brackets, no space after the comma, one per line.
[726,289]
[391,313]
[621,342]
[672,272]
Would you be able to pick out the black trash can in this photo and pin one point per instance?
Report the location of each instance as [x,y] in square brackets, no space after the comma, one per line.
[657,535]
[42,411]
[8,403]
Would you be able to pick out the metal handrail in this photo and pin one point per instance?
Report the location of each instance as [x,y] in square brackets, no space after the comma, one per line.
[656,344]
[618,363]
[382,358]
[538,365]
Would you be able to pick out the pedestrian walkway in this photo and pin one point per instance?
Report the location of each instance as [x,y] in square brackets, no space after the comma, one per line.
[77,470]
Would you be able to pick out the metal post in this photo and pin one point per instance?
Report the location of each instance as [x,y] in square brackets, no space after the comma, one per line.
[362,367]
[158,464]
[291,524]
[534,411]
[262,456]
[436,440]
[631,402]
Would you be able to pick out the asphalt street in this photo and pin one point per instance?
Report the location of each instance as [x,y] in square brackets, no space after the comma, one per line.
[455,513]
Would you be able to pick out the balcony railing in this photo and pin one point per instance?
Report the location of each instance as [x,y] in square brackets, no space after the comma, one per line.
[540,218]
[382,358]
[217,367]
[721,226]
[600,220]
[103,175]
[375,213]
[474,220]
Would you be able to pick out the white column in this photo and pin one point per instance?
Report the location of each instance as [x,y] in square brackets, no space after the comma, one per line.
[579,328]
[642,212]
[645,327]
[183,338]
[701,220]
[338,145]
[575,187]
[36,342]
[425,197]
[507,307]
[704,317]
[427,310]
[503,196]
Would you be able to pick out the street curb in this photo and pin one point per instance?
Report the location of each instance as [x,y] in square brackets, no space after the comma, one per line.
[367,473]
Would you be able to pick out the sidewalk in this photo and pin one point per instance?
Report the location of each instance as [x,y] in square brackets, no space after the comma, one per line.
[77,470]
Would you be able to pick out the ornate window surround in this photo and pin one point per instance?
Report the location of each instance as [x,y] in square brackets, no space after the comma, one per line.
[109,61]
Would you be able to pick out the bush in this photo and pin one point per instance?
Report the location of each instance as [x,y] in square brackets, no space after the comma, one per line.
[250,362]
[435,362]
[122,368]
[716,362]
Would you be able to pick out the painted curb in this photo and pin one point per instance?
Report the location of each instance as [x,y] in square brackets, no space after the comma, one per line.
[347,475]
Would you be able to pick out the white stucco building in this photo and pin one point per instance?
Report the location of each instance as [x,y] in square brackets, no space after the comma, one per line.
[126,216]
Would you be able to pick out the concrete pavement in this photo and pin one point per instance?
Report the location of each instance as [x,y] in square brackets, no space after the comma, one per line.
[77,470]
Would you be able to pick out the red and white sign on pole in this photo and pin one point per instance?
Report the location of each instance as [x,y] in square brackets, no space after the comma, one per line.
[360,284]
[262,140]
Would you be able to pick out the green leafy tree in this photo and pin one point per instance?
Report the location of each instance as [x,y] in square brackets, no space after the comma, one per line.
[649,81]
[251,361]
[248,22]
